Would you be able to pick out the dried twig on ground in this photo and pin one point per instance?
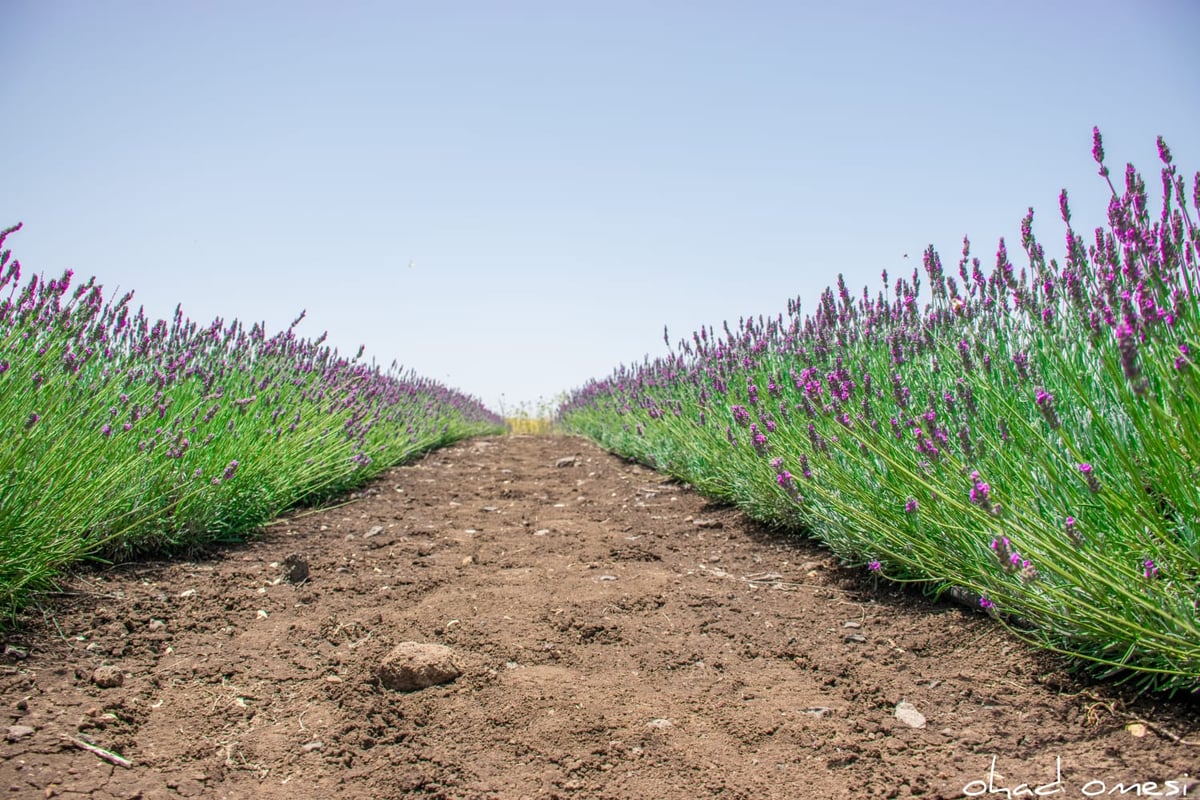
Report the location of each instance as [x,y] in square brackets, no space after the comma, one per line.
[100,752]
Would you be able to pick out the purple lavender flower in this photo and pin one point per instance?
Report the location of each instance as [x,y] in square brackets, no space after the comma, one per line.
[788,484]
[1098,150]
[985,604]
[740,415]
[1045,404]
[1072,528]
[1021,361]
[1164,152]
[910,507]
[1127,345]
[980,493]
[875,566]
[964,350]
[1149,569]
[1010,560]
[1089,475]
[230,470]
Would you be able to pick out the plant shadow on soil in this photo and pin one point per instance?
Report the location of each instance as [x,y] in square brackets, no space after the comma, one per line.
[617,635]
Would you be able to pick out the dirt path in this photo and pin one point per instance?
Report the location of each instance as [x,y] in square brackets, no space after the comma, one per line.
[617,637]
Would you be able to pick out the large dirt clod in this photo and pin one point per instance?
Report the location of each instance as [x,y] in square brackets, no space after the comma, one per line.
[411,666]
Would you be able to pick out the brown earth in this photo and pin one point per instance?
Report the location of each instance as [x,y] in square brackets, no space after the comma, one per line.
[617,636]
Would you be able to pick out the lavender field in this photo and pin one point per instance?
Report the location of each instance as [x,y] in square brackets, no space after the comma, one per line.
[125,436]
[1026,439]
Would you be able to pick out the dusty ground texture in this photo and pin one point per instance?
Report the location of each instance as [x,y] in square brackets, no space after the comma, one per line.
[616,636]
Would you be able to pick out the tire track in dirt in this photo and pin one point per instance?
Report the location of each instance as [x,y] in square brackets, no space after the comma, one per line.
[618,636]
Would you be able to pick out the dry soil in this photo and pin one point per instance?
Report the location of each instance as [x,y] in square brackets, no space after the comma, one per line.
[616,636]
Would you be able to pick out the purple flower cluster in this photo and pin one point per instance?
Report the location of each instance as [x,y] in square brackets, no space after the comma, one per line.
[1072,528]
[740,415]
[1045,404]
[1089,475]
[980,495]
[1011,561]
[786,481]
[981,492]
[759,439]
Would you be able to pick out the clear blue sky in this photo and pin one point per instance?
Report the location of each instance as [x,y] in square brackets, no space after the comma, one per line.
[565,177]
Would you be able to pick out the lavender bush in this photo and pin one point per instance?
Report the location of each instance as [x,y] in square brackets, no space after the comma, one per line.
[124,436]
[1032,438]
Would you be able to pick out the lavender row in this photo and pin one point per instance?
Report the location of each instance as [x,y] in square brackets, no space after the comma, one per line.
[123,435]
[1031,438]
